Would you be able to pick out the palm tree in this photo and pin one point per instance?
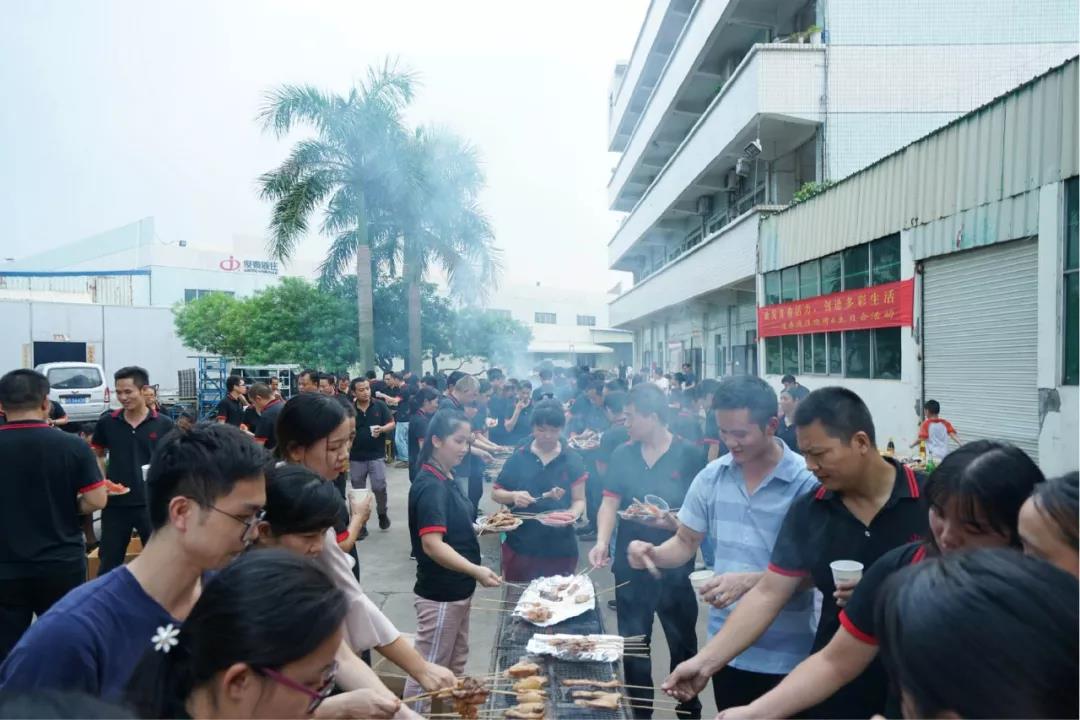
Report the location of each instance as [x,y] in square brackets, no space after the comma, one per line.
[351,170]
[441,225]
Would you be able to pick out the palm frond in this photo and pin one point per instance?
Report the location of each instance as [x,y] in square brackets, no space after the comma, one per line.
[290,217]
[290,105]
[339,257]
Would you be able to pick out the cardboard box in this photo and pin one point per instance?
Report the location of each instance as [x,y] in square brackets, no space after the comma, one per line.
[93,562]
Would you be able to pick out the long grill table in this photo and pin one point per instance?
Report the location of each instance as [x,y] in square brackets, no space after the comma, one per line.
[514,634]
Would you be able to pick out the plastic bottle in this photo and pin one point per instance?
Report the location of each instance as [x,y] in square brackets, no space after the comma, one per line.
[890,449]
[922,451]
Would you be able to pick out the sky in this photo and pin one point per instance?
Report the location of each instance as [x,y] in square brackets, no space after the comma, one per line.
[113,110]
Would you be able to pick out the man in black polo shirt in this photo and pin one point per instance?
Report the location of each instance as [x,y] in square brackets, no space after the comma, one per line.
[269,407]
[50,479]
[654,462]
[129,435]
[367,458]
[328,386]
[866,505]
[231,408]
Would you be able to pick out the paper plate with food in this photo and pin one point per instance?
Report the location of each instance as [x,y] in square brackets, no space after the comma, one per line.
[112,488]
[653,511]
[497,522]
[587,440]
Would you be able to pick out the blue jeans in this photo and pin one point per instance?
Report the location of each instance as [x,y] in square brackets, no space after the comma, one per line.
[401,441]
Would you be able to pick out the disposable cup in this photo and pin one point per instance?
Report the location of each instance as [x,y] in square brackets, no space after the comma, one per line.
[699,578]
[145,472]
[372,428]
[359,494]
[846,571]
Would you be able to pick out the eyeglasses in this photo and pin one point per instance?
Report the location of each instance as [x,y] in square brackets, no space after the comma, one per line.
[250,523]
[317,696]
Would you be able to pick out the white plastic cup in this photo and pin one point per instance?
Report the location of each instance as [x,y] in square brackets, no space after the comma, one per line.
[372,429]
[846,571]
[145,472]
[698,579]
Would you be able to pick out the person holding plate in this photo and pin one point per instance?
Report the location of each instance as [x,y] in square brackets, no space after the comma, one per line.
[546,478]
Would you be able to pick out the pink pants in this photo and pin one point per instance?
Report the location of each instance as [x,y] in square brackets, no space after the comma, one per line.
[442,637]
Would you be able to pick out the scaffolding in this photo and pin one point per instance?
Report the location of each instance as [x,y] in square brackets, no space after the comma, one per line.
[212,372]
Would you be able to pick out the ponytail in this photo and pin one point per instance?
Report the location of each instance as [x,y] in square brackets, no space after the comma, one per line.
[442,425]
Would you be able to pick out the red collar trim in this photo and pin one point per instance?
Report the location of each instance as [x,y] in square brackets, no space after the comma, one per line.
[434,471]
[24,424]
[919,555]
[275,401]
[913,486]
[116,413]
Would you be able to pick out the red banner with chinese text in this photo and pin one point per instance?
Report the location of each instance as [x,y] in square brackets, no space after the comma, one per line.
[880,306]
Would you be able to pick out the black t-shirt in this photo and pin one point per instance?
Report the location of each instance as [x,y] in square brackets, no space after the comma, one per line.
[437,504]
[499,408]
[712,433]
[405,396]
[231,411]
[818,529]
[686,426]
[523,426]
[479,420]
[266,429]
[56,410]
[787,433]
[365,447]
[524,471]
[251,418]
[542,390]
[129,449]
[628,477]
[44,473]
[614,437]
[418,425]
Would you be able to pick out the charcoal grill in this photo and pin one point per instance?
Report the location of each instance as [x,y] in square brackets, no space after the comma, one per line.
[515,633]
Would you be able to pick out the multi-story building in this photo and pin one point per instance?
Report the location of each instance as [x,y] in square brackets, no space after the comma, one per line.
[729,109]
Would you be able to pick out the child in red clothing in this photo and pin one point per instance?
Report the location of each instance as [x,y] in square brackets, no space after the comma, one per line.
[936,431]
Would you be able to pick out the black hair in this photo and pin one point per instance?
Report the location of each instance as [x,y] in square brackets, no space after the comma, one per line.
[615,401]
[494,374]
[134,373]
[443,424]
[43,704]
[328,377]
[985,633]
[1058,500]
[594,385]
[545,374]
[355,380]
[298,500]
[616,385]
[306,419]
[370,374]
[392,374]
[746,392]
[787,379]
[232,381]
[485,386]
[421,396]
[648,399]
[266,609]
[548,413]
[260,390]
[23,390]
[203,464]
[704,388]
[797,393]
[932,406]
[188,416]
[994,477]
[841,413]
[312,374]
[454,377]
[525,385]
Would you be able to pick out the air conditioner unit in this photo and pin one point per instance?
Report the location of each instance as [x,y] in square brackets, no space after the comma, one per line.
[731,181]
[705,205]
[742,167]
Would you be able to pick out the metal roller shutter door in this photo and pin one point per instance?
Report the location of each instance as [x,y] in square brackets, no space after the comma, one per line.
[980,336]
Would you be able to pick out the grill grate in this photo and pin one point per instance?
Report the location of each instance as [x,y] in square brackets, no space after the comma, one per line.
[514,634]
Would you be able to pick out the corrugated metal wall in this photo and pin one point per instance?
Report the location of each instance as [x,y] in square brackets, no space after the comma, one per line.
[972,183]
[97,289]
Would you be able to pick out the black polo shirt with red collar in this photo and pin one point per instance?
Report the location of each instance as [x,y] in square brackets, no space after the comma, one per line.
[266,429]
[819,529]
[230,411]
[45,470]
[129,449]
[365,446]
[438,505]
[525,471]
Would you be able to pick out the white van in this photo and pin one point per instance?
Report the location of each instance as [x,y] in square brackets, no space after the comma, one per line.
[80,388]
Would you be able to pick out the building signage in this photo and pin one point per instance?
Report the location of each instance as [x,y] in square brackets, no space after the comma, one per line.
[264,267]
[880,306]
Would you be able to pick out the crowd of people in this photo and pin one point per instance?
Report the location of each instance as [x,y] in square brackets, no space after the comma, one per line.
[839,580]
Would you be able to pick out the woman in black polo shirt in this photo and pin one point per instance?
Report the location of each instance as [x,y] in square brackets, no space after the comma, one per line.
[445,546]
[974,500]
[546,477]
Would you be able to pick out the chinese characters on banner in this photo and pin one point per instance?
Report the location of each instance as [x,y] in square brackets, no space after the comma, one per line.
[879,306]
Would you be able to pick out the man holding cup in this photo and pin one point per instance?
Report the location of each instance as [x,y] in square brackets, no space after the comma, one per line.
[739,501]
[866,505]
[367,458]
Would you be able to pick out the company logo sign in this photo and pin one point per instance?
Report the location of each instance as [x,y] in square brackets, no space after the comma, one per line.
[263,267]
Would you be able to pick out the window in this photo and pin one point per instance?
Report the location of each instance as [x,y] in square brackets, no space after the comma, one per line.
[856,267]
[857,353]
[808,280]
[819,366]
[789,354]
[772,288]
[499,313]
[587,320]
[831,274]
[773,364]
[1071,315]
[885,260]
[190,295]
[544,318]
[789,284]
[721,355]
[806,354]
[836,353]
[886,353]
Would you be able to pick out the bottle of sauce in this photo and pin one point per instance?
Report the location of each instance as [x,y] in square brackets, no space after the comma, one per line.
[890,449]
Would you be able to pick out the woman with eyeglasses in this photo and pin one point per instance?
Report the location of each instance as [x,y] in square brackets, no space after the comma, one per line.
[244,652]
[314,431]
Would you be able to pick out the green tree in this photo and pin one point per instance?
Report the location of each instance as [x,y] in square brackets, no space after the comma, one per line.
[484,335]
[350,170]
[212,324]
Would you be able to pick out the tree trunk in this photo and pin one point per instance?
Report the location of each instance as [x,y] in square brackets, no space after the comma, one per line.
[412,273]
[364,300]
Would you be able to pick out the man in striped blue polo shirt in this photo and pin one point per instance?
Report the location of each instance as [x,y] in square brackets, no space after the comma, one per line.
[739,501]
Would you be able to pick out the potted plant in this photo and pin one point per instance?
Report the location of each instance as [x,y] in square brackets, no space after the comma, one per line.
[814,33]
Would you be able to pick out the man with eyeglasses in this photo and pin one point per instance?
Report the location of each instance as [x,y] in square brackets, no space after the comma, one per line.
[206,493]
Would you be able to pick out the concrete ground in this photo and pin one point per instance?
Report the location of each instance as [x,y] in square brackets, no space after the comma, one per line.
[387,576]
